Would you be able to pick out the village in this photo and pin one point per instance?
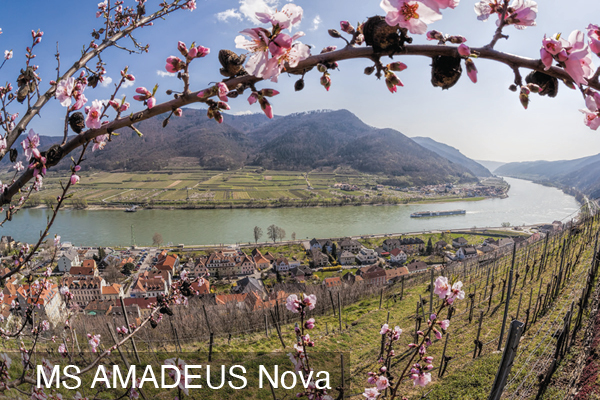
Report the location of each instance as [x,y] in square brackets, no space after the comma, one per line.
[106,281]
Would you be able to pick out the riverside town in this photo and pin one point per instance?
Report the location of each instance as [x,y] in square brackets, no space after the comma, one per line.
[271,200]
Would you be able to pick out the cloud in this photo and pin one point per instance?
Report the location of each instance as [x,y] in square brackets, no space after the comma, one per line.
[250,7]
[163,74]
[316,22]
[248,112]
[107,81]
[227,14]
[127,84]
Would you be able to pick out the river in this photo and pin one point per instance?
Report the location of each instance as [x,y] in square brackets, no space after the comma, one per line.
[528,203]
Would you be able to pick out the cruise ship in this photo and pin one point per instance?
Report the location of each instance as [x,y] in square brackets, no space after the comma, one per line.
[421,214]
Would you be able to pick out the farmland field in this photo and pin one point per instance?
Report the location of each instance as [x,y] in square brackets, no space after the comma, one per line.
[195,187]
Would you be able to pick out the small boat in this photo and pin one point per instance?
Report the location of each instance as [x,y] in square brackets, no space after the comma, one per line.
[131,209]
[421,214]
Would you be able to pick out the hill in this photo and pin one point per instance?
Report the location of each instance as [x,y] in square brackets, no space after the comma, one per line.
[302,141]
[454,155]
[582,173]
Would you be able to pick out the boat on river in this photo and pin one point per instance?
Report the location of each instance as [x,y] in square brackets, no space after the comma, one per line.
[131,209]
[421,214]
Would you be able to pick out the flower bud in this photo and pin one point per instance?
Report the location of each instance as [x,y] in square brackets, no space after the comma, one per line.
[182,48]
[396,66]
[326,81]
[369,70]
[512,88]
[464,50]
[435,35]
[347,27]
[471,70]
[457,39]
[334,33]
[321,68]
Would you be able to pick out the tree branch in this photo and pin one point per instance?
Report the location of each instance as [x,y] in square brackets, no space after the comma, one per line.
[512,61]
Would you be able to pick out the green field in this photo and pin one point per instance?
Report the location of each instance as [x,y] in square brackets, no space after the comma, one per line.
[195,187]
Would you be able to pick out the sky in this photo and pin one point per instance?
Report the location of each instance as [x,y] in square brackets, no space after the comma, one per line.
[485,120]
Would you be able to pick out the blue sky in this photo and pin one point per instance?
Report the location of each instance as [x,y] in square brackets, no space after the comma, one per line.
[483,120]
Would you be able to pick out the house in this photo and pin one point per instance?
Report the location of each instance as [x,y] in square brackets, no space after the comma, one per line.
[397,256]
[84,289]
[319,259]
[225,264]
[350,245]
[260,262]
[390,244]
[294,263]
[412,245]
[144,306]
[88,268]
[505,242]
[346,258]
[557,226]
[282,264]
[202,286]
[367,256]
[374,275]
[459,242]
[416,266]
[332,282]
[487,248]
[381,252]
[68,259]
[111,292]
[154,273]
[149,287]
[326,245]
[168,263]
[351,279]
[99,307]
[466,252]
[315,245]
[249,284]
[198,269]
[394,274]
[48,302]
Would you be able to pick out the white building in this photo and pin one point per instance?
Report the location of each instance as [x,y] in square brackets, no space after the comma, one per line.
[367,256]
[69,258]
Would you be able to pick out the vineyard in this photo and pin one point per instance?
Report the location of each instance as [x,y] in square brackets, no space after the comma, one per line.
[539,297]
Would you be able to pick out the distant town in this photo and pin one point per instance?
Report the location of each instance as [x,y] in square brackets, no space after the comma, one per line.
[251,277]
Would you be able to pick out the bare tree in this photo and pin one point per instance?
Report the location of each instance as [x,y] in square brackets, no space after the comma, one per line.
[280,233]
[157,239]
[272,232]
[112,273]
[293,235]
[257,233]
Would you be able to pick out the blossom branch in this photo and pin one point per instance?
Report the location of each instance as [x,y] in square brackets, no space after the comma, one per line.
[502,23]
[512,61]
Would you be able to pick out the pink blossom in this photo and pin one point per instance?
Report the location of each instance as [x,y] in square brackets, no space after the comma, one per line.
[56,240]
[124,107]
[397,66]
[30,144]
[94,341]
[326,81]
[99,142]
[573,55]
[371,393]
[174,64]
[222,91]
[384,329]
[382,382]
[64,89]
[522,13]
[310,323]
[592,114]
[392,81]
[151,102]
[594,38]
[438,5]
[309,301]
[190,5]
[8,54]
[178,112]
[289,16]
[437,334]
[19,166]
[464,50]
[421,378]
[444,324]
[441,287]
[457,292]
[62,350]
[292,303]
[410,14]
[347,27]
[92,120]
[471,70]
[74,179]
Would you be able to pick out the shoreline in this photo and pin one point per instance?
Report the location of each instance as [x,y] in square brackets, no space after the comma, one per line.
[251,206]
